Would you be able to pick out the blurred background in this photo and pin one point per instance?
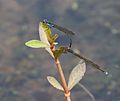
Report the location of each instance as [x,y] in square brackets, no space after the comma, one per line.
[23,70]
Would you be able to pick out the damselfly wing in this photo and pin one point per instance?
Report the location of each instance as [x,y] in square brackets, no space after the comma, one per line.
[86,60]
[62,29]
[65,30]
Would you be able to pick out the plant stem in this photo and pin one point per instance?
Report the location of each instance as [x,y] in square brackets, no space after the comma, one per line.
[62,77]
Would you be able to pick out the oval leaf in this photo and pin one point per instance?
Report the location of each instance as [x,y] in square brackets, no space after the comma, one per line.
[36,44]
[42,33]
[43,36]
[76,74]
[54,83]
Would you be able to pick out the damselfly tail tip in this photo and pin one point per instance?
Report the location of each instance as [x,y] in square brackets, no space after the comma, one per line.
[106,73]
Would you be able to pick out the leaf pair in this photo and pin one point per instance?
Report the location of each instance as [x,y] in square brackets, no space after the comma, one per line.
[75,76]
[46,39]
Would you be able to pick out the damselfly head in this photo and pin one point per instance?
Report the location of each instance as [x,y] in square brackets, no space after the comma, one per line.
[48,23]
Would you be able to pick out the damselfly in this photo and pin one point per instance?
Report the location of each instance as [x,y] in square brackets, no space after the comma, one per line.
[67,49]
[65,30]
[62,29]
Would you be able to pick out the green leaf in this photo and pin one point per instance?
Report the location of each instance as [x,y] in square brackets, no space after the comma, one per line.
[42,33]
[76,74]
[36,44]
[44,29]
[44,36]
[54,83]
[58,52]
[55,37]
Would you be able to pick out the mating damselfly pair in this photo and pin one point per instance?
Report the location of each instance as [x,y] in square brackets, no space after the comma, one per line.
[68,49]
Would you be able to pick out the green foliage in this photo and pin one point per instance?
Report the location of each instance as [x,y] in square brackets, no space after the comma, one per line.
[36,44]
[58,52]
[44,29]
[55,37]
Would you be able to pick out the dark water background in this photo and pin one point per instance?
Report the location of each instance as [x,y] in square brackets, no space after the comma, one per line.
[23,70]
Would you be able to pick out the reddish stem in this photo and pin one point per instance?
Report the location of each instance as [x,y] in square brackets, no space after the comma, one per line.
[62,77]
